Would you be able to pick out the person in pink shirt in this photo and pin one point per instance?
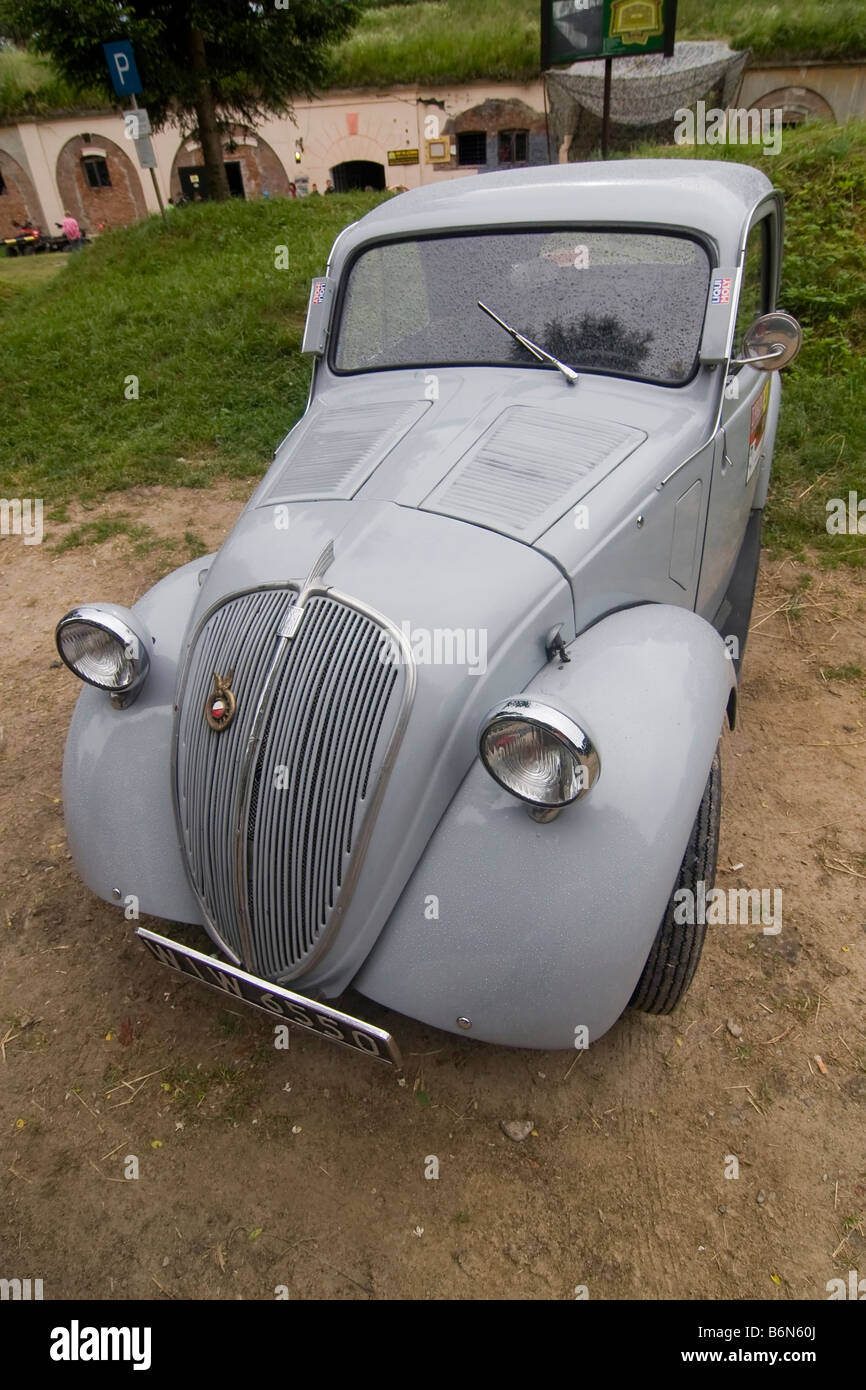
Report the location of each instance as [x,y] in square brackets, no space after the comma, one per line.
[71,231]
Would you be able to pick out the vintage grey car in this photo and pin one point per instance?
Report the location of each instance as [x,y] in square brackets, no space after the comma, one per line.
[440,720]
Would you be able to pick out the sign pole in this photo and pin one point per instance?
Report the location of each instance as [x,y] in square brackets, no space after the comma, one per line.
[135,107]
[605,115]
[123,71]
[578,31]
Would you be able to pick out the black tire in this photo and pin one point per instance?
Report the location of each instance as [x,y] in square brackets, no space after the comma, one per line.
[677,948]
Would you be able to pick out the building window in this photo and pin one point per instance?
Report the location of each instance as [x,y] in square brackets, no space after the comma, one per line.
[96,169]
[513,146]
[472,147]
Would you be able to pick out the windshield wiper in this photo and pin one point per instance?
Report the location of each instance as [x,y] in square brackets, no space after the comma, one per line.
[568,372]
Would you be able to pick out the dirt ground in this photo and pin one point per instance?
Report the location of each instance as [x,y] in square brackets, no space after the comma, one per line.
[305,1169]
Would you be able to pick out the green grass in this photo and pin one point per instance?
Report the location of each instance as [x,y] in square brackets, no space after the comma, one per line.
[30,86]
[848,672]
[103,528]
[20,273]
[440,40]
[452,40]
[821,443]
[197,311]
[778,32]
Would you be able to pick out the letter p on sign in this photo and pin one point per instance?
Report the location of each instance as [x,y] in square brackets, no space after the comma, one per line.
[121,66]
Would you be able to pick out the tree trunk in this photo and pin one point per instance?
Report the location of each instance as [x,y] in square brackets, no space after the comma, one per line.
[205,110]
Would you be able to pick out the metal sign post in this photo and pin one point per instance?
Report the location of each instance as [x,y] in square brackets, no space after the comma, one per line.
[574,31]
[144,149]
[605,111]
[126,82]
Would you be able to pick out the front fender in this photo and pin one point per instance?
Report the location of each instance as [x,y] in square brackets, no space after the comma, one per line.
[532,930]
[117,794]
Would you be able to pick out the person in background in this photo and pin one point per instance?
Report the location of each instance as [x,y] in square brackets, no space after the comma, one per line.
[314,189]
[293,192]
[329,187]
[71,231]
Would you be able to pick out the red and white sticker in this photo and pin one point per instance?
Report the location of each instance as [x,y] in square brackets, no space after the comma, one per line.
[757,427]
[720,292]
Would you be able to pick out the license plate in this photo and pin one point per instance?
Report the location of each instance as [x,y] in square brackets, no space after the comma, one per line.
[274,999]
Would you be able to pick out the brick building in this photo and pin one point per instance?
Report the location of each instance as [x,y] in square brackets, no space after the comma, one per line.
[400,137]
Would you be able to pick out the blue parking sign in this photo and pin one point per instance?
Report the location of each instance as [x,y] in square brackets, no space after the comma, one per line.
[121,66]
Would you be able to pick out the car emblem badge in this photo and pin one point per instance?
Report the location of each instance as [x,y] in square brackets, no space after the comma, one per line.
[219,710]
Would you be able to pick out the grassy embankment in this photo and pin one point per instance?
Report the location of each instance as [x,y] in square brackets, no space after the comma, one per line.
[199,313]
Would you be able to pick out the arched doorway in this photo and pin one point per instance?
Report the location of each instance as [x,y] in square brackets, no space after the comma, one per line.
[18,198]
[252,168]
[796,104]
[98,183]
[357,173]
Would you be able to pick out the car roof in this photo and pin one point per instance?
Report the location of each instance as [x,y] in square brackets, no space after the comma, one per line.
[711,196]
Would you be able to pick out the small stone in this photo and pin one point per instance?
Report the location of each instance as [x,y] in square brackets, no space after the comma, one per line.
[517,1130]
[723,1210]
[734,1029]
[761,1197]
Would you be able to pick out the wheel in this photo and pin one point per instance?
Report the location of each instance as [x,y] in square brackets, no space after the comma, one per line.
[677,948]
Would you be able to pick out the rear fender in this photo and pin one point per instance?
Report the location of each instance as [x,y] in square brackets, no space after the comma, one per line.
[531,931]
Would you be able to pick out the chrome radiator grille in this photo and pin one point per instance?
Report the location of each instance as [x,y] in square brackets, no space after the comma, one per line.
[273,809]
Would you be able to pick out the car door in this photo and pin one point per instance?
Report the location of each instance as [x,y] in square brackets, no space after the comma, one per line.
[745,411]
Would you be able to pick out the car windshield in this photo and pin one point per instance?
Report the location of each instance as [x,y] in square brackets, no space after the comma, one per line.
[627,303]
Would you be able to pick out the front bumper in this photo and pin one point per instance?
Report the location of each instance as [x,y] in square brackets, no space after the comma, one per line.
[272,999]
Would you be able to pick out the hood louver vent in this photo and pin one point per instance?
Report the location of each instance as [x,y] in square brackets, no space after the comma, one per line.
[335,453]
[529,469]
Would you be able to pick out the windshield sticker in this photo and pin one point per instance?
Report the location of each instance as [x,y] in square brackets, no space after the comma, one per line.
[721,291]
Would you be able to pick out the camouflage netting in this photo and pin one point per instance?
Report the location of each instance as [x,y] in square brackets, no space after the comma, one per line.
[645,91]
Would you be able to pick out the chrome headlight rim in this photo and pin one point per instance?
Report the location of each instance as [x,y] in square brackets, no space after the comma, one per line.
[562,727]
[124,630]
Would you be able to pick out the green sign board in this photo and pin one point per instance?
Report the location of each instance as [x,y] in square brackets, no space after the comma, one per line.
[572,30]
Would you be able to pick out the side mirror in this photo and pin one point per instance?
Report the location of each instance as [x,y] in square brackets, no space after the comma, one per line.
[772,342]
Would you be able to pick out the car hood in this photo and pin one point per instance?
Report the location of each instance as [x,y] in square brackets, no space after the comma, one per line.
[475,609]
[509,451]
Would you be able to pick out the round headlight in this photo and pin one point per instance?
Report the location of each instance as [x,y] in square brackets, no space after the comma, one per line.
[538,754]
[104,648]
